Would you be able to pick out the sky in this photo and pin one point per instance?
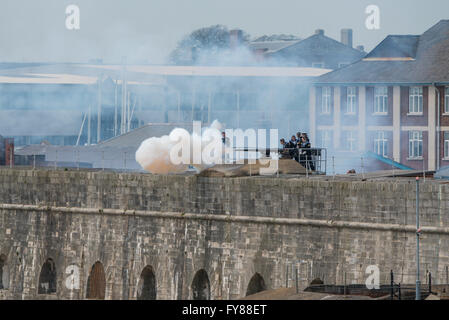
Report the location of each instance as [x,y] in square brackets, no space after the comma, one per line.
[145,31]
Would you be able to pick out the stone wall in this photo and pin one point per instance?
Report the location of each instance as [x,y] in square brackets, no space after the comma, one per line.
[232,228]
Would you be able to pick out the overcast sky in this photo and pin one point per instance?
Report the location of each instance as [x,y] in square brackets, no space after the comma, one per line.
[147,30]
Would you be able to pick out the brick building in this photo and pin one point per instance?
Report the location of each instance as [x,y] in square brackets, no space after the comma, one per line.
[6,151]
[394,102]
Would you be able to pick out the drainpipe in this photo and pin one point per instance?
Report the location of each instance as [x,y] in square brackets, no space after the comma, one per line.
[438,126]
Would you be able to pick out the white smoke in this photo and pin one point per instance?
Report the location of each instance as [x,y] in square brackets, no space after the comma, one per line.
[156,154]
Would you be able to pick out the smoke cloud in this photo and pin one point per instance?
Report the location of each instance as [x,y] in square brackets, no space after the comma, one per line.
[174,152]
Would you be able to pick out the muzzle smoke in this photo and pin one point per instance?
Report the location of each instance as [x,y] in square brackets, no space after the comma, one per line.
[154,153]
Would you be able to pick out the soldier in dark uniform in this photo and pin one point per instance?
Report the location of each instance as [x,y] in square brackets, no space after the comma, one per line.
[306,155]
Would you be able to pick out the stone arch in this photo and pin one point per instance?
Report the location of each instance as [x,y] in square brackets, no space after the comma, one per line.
[47,278]
[201,286]
[256,284]
[96,282]
[146,289]
[4,273]
[316,281]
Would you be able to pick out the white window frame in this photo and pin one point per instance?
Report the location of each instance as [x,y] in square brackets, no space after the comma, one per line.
[351,100]
[381,144]
[446,145]
[381,100]
[415,140]
[326,96]
[351,140]
[446,100]
[319,65]
[416,101]
[326,138]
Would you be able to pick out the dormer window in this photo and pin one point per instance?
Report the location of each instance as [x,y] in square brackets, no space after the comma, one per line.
[415,100]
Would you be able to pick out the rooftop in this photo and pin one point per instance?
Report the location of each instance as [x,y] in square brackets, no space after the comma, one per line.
[404,59]
[136,74]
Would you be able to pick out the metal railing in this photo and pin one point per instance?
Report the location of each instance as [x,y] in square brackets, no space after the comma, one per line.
[313,159]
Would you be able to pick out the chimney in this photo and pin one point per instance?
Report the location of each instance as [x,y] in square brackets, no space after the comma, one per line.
[319,32]
[346,37]
[235,38]
[360,48]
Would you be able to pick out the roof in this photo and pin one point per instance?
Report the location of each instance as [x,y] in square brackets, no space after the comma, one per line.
[318,46]
[271,46]
[30,150]
[135,137]
[395,46]
[66,73]
[427,61]
[223,71]
[137,74]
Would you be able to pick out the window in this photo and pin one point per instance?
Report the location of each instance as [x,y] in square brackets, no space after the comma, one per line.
[326,100]
[446,100]
[380,144]
[325,141]
[381,100]
[318,65]
[446,145]
[351,100]
[415,100]
[343,64]
[350,140]
[415,144]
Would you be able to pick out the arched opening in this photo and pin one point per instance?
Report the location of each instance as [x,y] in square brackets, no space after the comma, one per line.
[316,281]
[47,278]
[147,285]
[96,282]
[256,284]
[4,273]
[201,286]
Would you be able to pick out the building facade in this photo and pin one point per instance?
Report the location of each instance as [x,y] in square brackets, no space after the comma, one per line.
[393,103]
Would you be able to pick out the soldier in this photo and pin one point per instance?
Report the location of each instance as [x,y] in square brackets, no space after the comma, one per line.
[306,155]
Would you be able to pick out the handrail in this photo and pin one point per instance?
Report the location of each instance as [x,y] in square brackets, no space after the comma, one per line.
[387,160]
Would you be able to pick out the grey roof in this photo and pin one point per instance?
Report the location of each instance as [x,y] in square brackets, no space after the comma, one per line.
[319,46]
[30,150]
[135,137]
[271,46]
[428,63]
[396,46]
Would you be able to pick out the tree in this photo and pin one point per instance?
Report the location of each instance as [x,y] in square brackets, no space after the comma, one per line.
[277,37]
[207,42]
